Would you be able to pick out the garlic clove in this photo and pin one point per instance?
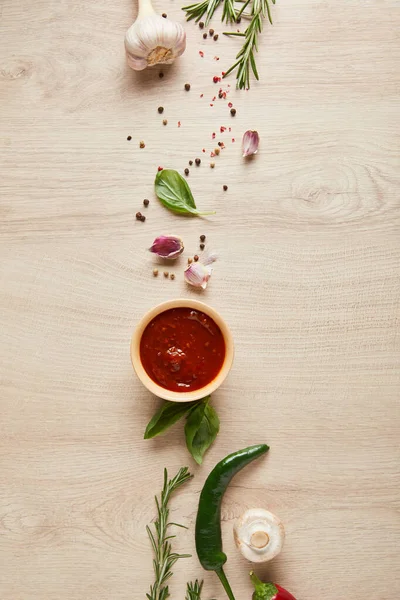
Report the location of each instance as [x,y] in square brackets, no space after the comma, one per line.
[259,535]
[250,143]
[153,40]
[197,274]
[167,246]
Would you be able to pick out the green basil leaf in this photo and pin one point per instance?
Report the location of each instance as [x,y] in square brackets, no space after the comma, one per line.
[174,193]
[201,429]
[167,415]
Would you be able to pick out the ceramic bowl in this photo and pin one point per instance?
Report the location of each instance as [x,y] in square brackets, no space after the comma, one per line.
[151,385]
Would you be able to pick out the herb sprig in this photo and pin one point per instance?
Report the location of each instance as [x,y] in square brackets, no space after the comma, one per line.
[164,557]
[259,11]
[193,590]
[246,61]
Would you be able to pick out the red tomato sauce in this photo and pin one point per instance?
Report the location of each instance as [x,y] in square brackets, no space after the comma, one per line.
[182,349]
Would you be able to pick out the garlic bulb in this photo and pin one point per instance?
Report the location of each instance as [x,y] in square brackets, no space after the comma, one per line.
[152,39]
[259,535]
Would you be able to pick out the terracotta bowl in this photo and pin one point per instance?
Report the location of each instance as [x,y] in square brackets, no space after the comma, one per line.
[151,385]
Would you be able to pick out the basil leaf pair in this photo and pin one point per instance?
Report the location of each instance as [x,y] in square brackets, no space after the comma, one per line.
[174,193]
[201,429]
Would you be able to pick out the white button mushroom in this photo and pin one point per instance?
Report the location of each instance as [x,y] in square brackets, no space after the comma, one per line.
[259,535]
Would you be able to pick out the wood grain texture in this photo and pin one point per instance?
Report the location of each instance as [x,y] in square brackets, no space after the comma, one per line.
[308,277]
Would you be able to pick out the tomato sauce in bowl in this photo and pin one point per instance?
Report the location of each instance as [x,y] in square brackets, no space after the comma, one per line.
[182,349]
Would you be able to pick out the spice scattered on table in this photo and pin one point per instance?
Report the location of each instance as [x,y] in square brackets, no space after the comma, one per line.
[202,246]
[129,138]
[160,109]
[197,161]
[217,151]
[190,163]
[205,36]
[146,202]
[190,260]
[142,144]
[179,123]
[212,165]
[155,272]
[166,274]
[186,171]
[172,276]
[201,53]
[165,122]
[164,15]
[195,258]
[187,86]
[202,238]
[225,188]
[211,32]
[215,37]
[161,74]
[233,112]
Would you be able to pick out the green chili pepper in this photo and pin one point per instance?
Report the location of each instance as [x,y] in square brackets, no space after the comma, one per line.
[208,523]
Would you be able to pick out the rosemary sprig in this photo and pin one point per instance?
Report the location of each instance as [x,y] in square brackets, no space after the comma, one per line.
[164,558]
[198,10]
[246,61]
[193,590]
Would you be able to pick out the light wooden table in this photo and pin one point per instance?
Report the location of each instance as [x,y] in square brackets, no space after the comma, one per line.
[308,240]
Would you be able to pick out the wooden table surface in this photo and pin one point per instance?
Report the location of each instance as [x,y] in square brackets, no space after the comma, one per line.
[308,244]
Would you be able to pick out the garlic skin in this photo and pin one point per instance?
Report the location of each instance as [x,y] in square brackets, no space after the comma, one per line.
[259,535]
[167,246]
[152,40]
[197,275]
[250,143]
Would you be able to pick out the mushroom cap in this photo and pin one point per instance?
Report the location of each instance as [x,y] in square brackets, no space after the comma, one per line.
[259,535]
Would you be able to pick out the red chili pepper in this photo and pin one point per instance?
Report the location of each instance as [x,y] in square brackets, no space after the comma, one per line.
[269,591]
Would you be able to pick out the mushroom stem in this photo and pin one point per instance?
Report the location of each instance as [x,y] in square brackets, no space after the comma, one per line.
[259,539]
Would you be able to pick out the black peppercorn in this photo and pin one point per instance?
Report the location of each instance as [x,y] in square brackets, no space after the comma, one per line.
[160,109]
[187,86]
[233,112]
[164,15]
[202,238]
[129,138]
[220,95]
[205,36]
[239,20]
[201,25]
[138,216]
[197,161]
[202,246]
[211,32]
[190,163]
[220,144]
[225,188]
[186,171]
[146,202]
[215,37]
[143,218]
[195,258]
